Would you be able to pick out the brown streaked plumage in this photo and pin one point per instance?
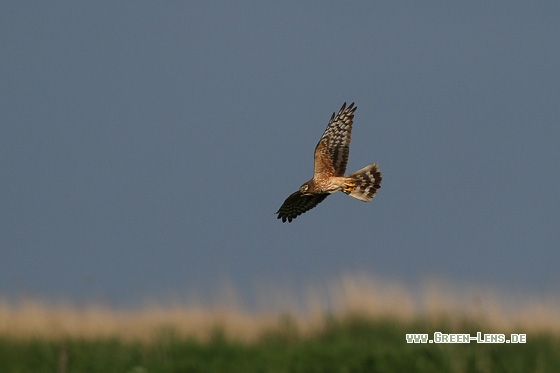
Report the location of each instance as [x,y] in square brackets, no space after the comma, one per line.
[330,160]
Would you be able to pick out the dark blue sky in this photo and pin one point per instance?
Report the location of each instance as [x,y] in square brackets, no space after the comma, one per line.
[145,147]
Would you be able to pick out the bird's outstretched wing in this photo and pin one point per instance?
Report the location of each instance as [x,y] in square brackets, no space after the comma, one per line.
[296,204]
[331,153]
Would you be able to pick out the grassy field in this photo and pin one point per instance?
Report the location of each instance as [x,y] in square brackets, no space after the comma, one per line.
[356,325]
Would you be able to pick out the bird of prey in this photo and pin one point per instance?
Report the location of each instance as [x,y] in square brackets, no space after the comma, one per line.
[331,157]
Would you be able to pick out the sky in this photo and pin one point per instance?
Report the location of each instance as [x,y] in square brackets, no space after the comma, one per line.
[145,146]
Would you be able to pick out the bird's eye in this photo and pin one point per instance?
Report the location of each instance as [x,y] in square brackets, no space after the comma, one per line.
[304,188]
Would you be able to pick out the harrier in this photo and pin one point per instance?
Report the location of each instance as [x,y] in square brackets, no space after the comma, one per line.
[331,157]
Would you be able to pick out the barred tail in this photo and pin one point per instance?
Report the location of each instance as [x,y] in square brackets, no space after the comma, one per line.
[366,183]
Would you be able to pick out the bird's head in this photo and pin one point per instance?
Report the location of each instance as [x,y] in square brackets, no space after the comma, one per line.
[305,189]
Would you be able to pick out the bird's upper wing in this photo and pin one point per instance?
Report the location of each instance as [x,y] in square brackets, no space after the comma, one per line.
[331,153]
[296,204]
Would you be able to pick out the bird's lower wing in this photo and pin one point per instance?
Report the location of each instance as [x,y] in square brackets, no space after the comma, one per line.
[296,204]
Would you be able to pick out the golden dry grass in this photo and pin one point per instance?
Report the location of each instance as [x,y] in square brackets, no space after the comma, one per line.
[348,295]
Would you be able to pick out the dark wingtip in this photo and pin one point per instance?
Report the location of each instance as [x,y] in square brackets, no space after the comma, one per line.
[350,109]
[283,217]
[339,112]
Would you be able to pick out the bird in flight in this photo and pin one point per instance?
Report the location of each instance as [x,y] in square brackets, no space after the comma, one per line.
[331,157]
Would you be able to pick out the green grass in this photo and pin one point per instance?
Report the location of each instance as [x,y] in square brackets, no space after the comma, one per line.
[349,345]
